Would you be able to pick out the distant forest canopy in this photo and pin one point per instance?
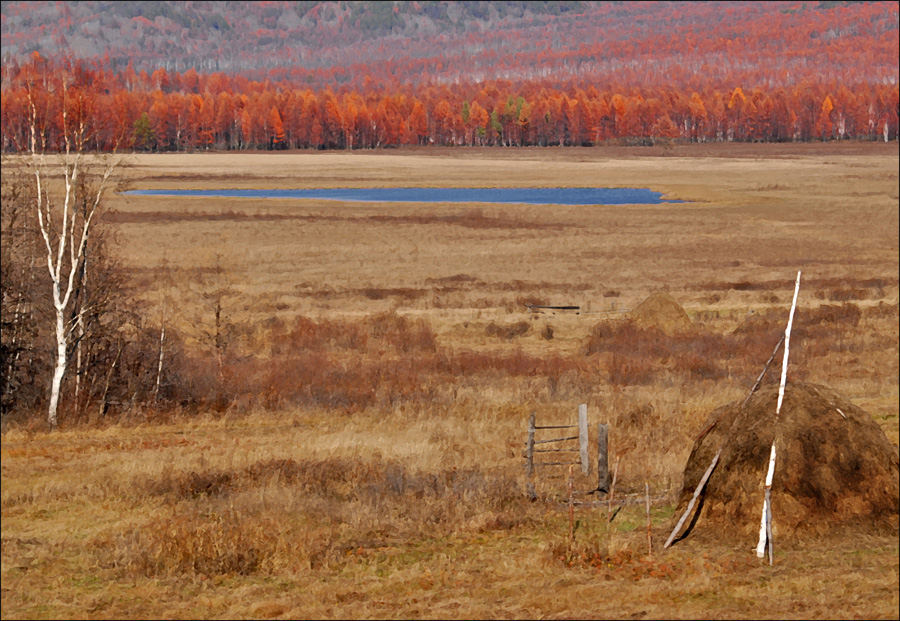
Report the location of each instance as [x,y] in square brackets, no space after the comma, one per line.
[182,76]
[350,44]
[241,36]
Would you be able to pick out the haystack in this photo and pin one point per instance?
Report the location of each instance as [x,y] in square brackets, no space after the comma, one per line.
[660,310]
[835,470]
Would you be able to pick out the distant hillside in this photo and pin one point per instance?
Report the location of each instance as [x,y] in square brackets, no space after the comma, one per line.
[322,44]
[254,35]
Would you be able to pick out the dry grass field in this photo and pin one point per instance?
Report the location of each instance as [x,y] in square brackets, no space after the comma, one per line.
[383,365]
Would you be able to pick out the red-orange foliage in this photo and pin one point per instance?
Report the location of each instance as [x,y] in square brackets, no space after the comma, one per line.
[777,71]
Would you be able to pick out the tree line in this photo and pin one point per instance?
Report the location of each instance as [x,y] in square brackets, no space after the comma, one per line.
[190,111]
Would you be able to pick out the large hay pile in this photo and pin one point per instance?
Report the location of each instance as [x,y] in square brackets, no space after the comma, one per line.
[660,310]
[835,468]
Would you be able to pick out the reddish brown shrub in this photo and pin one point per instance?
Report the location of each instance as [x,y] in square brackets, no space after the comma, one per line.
[699,367]
[514,364]
[401,334]
[845,294]
[848,314]
[639,352]
[307,335]
[380,293]
[625,370]
[626,337]
[507,331]
[883,311]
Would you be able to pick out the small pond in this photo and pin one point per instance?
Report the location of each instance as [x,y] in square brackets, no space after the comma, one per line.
[528,196]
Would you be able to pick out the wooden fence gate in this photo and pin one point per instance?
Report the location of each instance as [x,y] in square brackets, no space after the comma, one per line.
[557,448]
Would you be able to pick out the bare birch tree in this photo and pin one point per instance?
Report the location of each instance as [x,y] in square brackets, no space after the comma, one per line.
[60,124]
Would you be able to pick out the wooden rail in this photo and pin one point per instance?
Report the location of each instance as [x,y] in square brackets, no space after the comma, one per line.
[538,307]
[582,437]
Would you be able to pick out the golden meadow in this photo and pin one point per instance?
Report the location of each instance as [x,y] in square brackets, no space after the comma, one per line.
[365,459]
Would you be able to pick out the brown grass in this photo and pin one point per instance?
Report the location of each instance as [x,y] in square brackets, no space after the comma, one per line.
[363,457]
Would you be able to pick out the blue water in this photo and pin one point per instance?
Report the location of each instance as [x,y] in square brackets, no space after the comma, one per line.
[529,196]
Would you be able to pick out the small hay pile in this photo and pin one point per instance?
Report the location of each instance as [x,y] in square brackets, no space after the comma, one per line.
[834,470]
[660,310]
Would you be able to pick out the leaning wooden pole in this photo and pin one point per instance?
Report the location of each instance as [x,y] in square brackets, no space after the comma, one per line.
[763,374]
[696,495]
[765,529]
[609,503]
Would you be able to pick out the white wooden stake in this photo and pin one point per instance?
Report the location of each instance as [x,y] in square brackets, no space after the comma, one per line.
[766,521]
[766,512]
[787,345]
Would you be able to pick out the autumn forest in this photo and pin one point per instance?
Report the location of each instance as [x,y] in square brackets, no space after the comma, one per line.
[826,72]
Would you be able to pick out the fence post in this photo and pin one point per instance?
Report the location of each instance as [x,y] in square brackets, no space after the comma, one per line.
[602,458]
[529,447]
[571,509]
[583,438]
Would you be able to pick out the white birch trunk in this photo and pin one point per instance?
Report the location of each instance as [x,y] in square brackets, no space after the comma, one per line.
[79,369]
[59,369]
